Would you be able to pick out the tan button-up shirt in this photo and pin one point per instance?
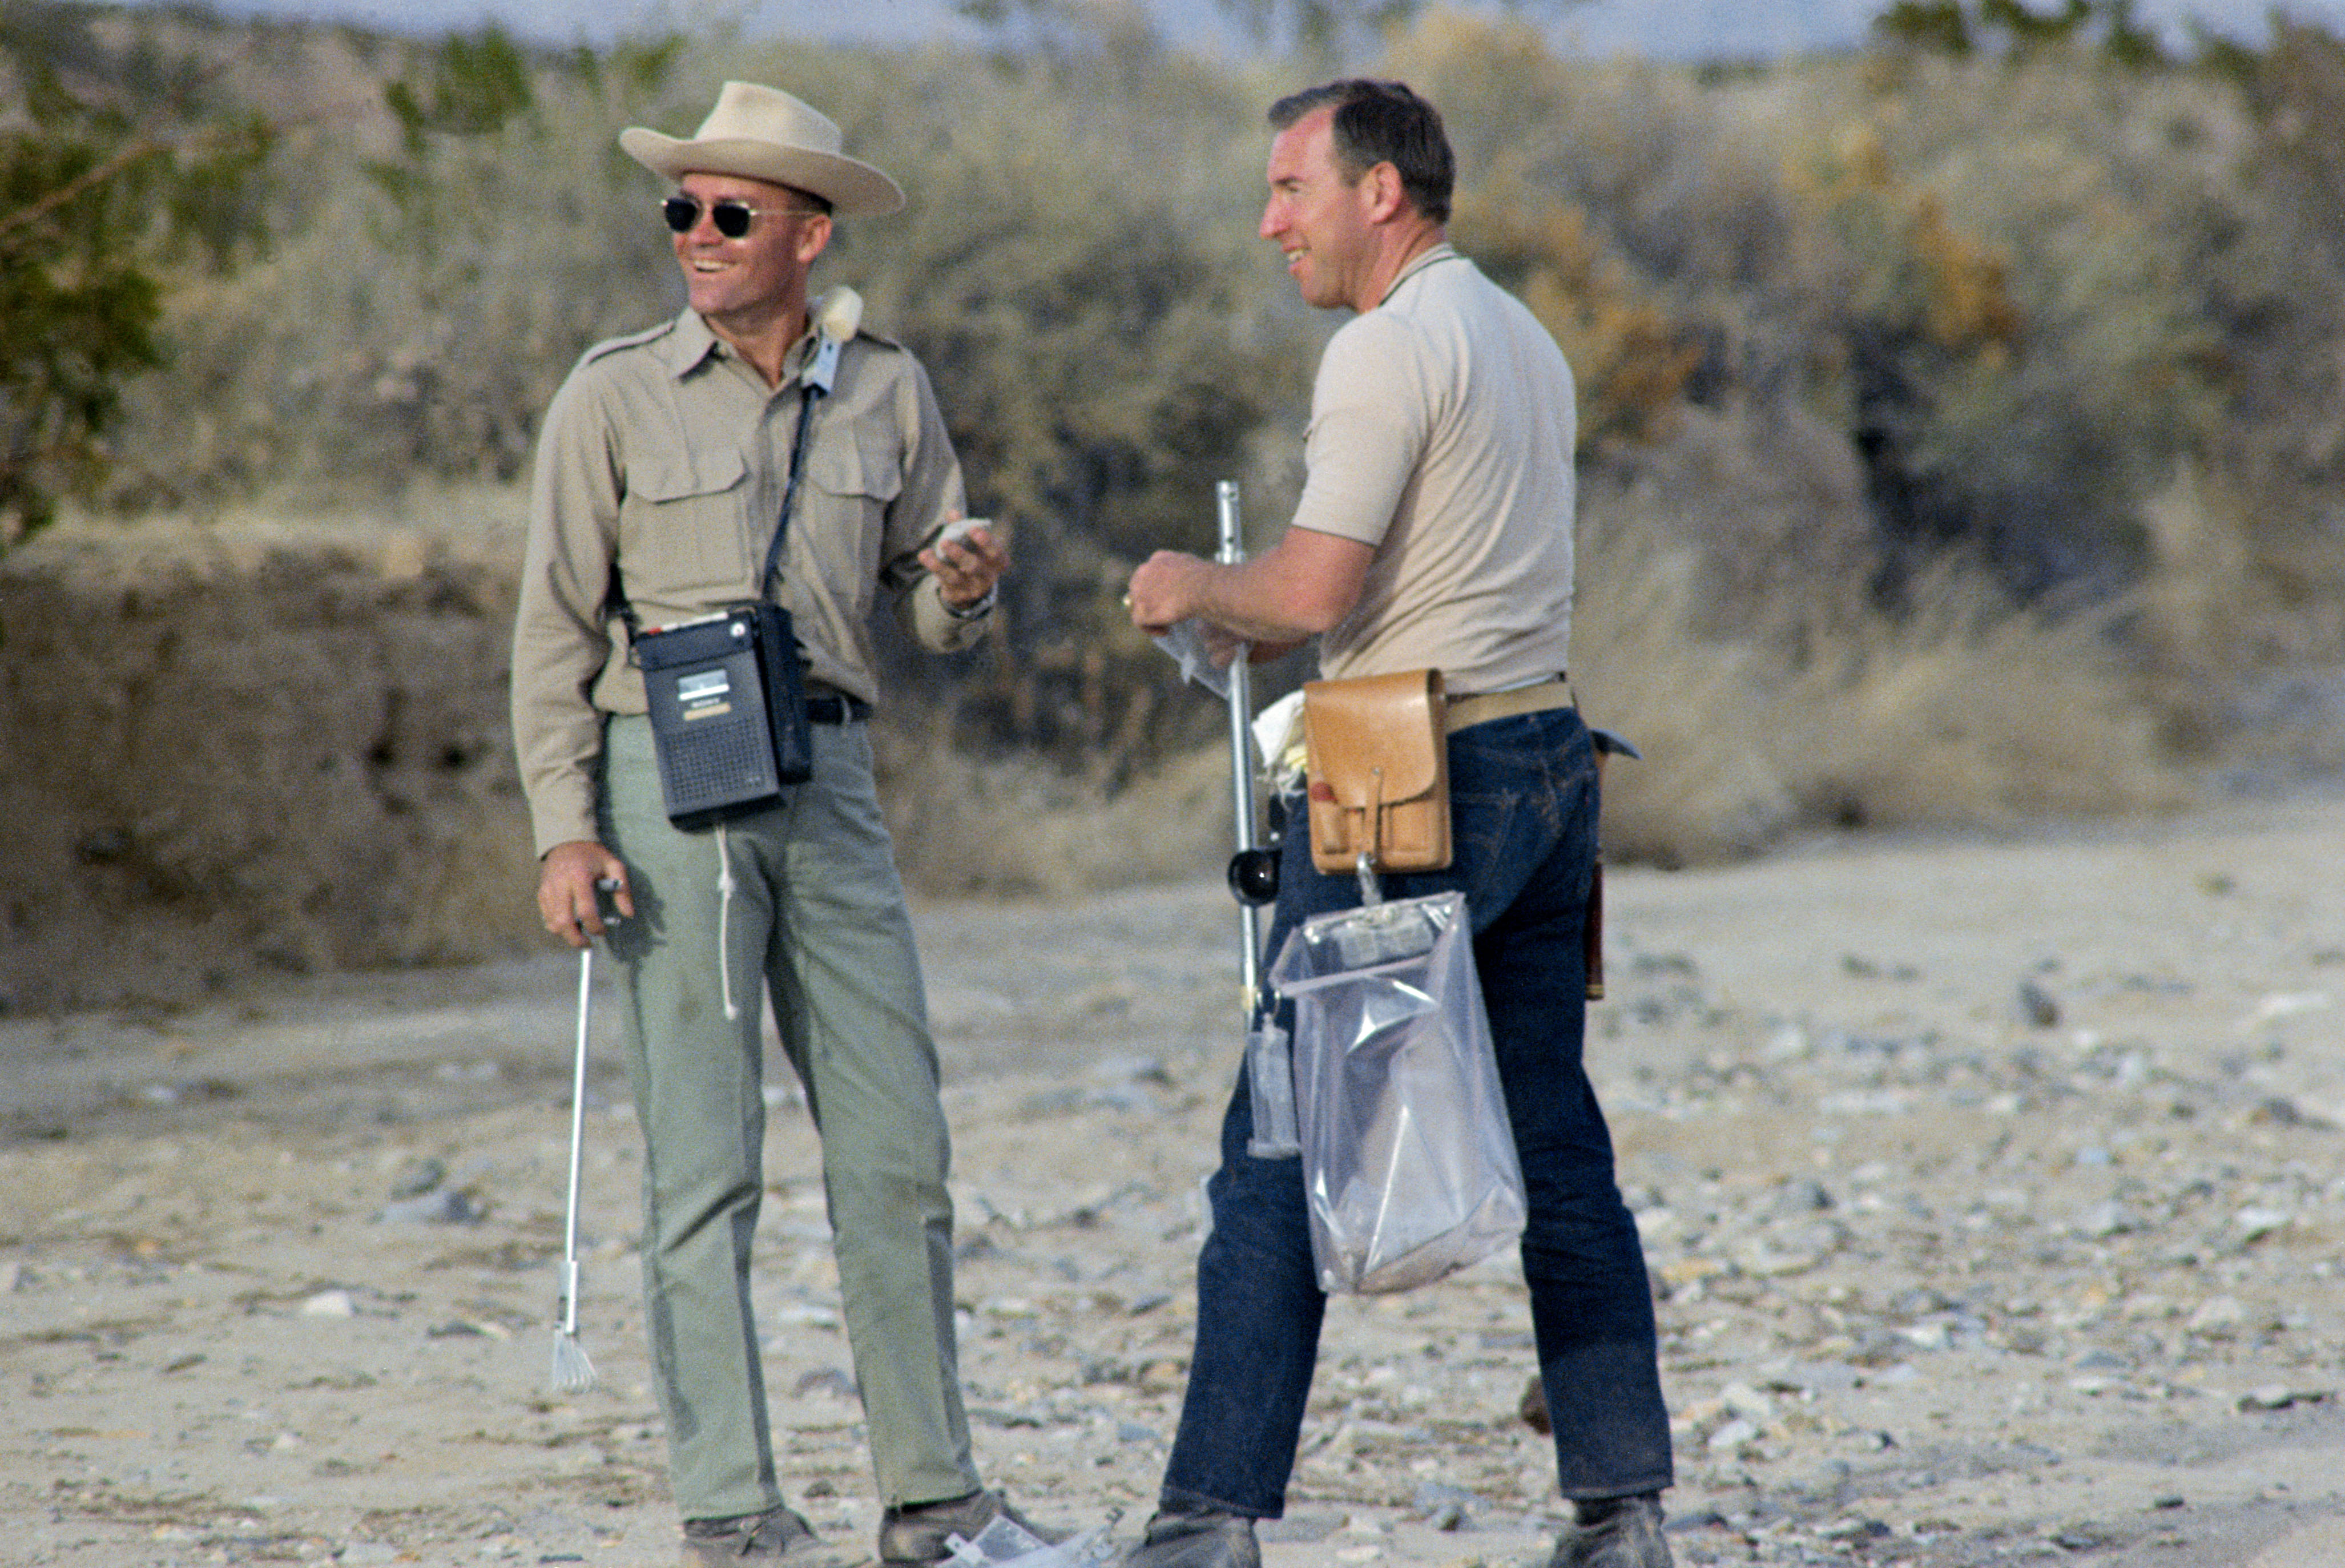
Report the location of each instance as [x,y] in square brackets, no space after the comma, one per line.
[665,456]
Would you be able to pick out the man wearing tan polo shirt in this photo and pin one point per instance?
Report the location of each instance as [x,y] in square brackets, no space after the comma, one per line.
[661,477]
[1435,531]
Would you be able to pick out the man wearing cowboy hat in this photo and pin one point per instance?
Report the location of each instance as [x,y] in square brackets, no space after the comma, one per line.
[661,474]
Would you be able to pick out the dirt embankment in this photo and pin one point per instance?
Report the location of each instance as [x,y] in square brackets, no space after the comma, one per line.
[255,750]
[230,752]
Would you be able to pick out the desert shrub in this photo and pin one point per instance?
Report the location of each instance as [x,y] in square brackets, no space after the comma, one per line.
[1965,709]
[437,291]
[118,169]
[2011,27]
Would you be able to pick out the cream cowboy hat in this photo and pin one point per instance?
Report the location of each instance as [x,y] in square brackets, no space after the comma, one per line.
[762,133]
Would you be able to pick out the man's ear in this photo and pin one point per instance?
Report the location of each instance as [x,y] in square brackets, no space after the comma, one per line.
[814,235]
[1386,199]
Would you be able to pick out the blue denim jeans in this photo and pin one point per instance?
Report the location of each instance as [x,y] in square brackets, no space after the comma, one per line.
[1523,806]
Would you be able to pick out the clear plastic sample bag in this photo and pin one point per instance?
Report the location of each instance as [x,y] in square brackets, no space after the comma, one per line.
[1408,1164]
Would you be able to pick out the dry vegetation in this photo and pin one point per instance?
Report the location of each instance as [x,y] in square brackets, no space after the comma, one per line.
[1962,443]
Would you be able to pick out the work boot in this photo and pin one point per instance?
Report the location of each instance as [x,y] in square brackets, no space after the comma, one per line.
[1614,1533]
[1196,1538]
[777,1536]
[915,1537]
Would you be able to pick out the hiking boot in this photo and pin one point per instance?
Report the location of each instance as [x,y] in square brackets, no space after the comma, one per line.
[1196,1538]
[777,1536]
[915,1537]
[1614,1533]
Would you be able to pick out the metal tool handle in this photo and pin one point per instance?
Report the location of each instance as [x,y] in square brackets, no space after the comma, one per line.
[1241,803]
[577,1140]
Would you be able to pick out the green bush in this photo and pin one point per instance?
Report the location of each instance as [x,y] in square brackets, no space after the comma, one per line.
[118,170]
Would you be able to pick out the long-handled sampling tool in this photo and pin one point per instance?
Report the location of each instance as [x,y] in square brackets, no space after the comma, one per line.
[1253,880]
[1254,871]
[574,1372]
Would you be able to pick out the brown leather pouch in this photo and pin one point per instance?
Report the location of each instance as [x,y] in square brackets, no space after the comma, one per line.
[1378,760]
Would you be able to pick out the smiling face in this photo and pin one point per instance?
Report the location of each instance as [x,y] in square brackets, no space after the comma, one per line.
[748,285]
[1321,221]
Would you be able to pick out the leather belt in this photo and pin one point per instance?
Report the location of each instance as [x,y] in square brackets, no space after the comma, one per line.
[836,708]
[1482,708]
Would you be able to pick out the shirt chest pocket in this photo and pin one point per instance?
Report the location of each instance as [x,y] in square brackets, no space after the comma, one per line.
[851,477]
[683,524]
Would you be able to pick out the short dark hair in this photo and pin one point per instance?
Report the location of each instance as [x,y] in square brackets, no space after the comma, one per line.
[1383,122]
[820,204]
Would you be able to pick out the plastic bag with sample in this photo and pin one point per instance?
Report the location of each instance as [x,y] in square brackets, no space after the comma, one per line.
[1409,1164]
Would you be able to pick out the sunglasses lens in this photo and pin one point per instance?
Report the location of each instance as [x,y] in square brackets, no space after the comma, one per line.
[731,217]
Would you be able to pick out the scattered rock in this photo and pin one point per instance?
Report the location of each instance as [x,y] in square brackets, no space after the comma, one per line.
[1732,1435]
[448,1206]
[416,1177]
[2281,1397]
[2283,1112]
[828,1381]
[2216,1316]
[1444,1508]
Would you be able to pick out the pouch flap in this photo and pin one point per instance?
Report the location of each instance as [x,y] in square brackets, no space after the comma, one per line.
[1351,728]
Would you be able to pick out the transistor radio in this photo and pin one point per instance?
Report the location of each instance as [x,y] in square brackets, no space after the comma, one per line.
[728,712]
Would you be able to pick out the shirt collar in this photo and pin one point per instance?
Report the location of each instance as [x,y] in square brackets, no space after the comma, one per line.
[683,349]
[1423,259]
[693,343]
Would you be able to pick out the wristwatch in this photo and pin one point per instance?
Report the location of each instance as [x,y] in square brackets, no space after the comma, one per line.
[975,608]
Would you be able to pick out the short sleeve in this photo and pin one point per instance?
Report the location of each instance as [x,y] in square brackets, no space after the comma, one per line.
[1371,408]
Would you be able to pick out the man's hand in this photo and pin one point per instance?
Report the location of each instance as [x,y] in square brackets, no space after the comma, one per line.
[966,569]
[1165,591]
[565,889]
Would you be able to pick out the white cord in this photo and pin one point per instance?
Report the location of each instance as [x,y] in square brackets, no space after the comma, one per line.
[724,921]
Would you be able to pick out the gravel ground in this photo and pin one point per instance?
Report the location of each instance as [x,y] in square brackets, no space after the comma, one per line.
[1992,1191]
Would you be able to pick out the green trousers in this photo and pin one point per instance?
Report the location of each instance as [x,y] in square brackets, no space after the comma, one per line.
[817,917]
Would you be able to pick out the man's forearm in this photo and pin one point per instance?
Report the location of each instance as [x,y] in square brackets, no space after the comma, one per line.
[1305,584]
[1249,604]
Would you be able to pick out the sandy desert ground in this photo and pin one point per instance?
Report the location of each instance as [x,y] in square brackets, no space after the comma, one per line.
[1991,1188]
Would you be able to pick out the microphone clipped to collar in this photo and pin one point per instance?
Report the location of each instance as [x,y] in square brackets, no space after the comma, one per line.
[837,316]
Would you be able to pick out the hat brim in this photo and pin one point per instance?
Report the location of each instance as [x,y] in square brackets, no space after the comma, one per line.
[853,188]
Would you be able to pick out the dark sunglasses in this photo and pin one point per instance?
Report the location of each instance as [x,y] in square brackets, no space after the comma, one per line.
[731,217]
